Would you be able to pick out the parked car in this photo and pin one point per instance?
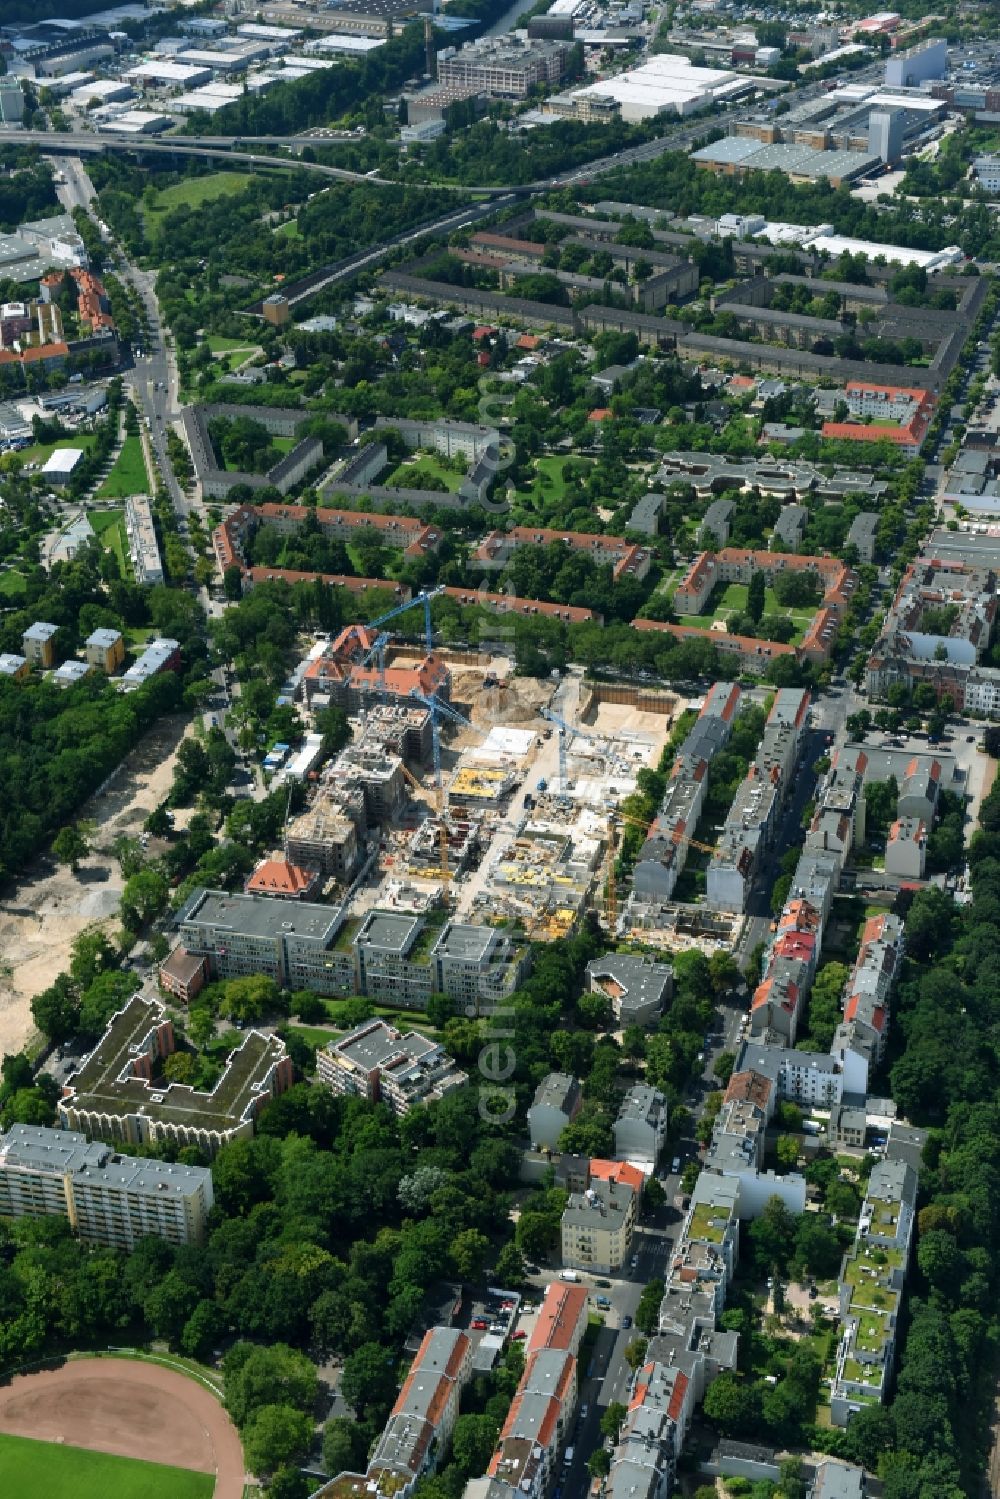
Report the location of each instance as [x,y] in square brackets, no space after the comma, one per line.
[480,1324]
[626,1322]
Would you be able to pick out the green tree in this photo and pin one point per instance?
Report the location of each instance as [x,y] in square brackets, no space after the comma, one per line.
[468,1253]
[256,1376]
[733,1405]
[202,1331]
[275,1436]
[70,846]
[510,1270]
[345,1449]
[599,1462]
[772,1234]
[369,1382]
[248,1000]
[472,1444]
[56,1011]
[612,1419]
[755,596]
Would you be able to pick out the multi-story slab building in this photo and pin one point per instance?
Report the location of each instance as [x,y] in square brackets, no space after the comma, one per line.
[636,987]
[377,1062]
[108,1198]
[641,1126]
[117,1093]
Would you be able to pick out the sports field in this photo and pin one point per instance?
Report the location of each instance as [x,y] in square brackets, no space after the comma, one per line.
[47,1470]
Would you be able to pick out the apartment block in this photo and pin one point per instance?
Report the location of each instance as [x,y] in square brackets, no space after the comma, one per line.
[906,849]
[418,1431]
[556,1104]
[293,942]
[109,1199]
[737,1151]
[663,854]
[144,549]
[183,974]
[118,1093]
[707,1250]
[38,644]
[597,1227]
[641,1126]
[479,967]
[105,649]
[862,535]
[636,987]
[644,1461]
[377,1062]
[871,1286]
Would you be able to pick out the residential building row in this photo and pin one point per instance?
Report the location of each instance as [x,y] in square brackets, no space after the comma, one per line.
[392,956]
[627,559]
[417,1434]
[664,852]
[756,809]
[108,1198]
[525,1462]
[738,565]
[871,1285]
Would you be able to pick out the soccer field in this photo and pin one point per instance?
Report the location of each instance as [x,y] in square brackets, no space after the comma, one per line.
[46,1470]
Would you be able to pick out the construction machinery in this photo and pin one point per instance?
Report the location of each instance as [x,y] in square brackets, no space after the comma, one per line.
[376,651]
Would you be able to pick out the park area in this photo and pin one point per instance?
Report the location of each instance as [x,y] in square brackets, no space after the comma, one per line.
[116,1428]
[730,599]
[109,527]
[191,192]
[128,474]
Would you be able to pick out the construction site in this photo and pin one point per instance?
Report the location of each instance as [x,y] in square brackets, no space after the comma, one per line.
[493,796]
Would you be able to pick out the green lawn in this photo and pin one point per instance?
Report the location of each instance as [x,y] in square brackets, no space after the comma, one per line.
[192,192]
[284,445]
[109,526]
[41,452]
[12,584]
[408,475]
[128,476]
[548,488]
[47,1470]
[220,345]
[291,230]
[732,599]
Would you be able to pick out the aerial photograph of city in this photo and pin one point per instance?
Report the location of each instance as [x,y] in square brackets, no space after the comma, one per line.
[499,730]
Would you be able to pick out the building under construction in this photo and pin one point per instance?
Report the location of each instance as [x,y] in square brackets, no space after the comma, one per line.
[424,853]
[547,875]
[403,728]
[325,837]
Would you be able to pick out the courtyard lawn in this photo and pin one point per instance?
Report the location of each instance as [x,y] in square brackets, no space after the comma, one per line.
[128,475]
[427,465]
[732,599]
[109,527]
[290,230]
[284,445]
[48,1470]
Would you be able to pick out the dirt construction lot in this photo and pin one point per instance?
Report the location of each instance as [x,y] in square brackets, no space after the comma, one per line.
[50,906]
[132,1409]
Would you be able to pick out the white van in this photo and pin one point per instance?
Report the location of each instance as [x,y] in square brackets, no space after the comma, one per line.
[568,1458]
[568,1275]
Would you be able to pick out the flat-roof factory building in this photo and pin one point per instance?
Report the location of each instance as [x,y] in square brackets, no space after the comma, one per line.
[667,84]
